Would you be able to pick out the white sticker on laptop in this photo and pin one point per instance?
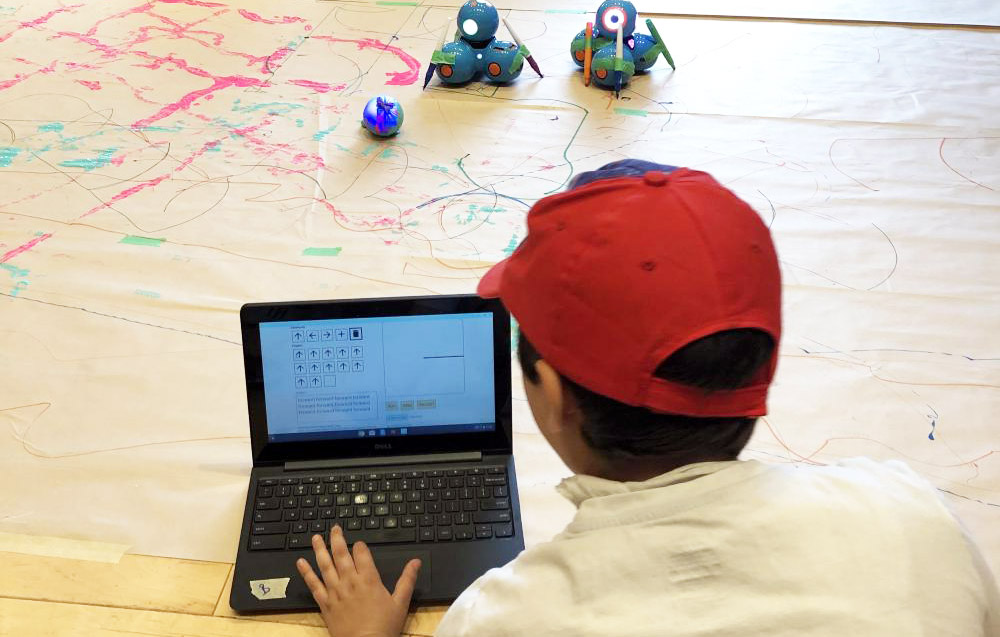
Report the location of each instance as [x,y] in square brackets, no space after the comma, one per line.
[269,588]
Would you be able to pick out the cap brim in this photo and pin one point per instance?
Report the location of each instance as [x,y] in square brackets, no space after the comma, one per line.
[489,285]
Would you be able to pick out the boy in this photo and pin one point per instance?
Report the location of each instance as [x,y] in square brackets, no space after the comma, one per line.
[649,305]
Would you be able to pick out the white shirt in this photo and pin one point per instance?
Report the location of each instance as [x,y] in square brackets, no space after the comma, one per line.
[860,548]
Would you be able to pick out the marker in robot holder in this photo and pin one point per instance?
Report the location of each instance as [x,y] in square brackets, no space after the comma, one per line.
[610,51]
[475,51]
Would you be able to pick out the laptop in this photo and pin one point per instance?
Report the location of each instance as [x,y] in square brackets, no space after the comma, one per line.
[390,417]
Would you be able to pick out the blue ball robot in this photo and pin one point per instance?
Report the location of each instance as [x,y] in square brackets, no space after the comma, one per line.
[475,52]
[383,116]
[595,49]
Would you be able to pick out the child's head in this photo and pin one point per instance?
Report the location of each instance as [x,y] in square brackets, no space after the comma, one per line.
[649,305]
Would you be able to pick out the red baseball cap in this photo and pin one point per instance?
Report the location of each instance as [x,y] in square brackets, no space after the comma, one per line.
[616,275]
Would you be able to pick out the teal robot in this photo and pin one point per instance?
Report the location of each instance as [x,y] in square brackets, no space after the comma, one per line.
[475,52]
[610,51]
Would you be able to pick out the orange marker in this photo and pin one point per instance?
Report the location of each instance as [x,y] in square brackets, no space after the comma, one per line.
[588,53]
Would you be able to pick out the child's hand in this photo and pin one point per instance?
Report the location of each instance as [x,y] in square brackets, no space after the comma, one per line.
[351,597]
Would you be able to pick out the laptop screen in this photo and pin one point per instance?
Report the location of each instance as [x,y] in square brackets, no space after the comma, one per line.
[379,376]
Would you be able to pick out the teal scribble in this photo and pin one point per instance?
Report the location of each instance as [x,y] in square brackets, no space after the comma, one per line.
[388,153]
[439,168]
[300,123]
[161,129]
[473,214]
[509,250]
[273,108]
[16,273]
[7,155]
[103,159]
[148,294]
[227,124]
[323,133]
[370,148]
[52,127]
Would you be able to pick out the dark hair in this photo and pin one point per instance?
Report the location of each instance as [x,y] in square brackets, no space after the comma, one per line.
[724,360]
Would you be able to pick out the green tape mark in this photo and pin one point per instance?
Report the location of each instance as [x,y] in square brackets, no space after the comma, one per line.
[440,57]
[321,252]
[634,112]
[142,241]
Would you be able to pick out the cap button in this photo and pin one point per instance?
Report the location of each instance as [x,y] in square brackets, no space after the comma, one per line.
[656,178]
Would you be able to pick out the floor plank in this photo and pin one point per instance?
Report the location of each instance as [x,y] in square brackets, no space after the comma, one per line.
[137,581]
[30,618]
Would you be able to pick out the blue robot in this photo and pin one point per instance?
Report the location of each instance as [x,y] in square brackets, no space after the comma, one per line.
[383,116]
[595,49]
[475,52]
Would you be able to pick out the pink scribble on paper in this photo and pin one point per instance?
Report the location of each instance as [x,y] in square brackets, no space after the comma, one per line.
[20,77]
[192,3]
[40,21]
[253,17]
[128,192]
[396,78]
[185,102]
[319,87]
[24,248]
[275,58]
[92,85]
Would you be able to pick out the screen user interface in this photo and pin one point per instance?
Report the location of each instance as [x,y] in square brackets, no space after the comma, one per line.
[383,376]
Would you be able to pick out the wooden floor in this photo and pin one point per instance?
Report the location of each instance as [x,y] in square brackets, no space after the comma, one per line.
[142,595]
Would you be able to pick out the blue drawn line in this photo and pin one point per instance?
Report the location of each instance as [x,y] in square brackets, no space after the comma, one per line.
[479,190]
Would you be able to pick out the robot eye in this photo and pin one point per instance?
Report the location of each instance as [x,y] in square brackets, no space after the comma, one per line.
[614,18]
[470,27]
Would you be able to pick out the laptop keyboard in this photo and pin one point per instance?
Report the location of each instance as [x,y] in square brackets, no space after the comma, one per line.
[382,507]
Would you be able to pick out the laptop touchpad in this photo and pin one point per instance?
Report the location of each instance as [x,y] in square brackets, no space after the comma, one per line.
[390,563]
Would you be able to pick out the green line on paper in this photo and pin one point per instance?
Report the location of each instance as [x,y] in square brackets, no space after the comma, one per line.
[142,241]
[633,112]
[321,252]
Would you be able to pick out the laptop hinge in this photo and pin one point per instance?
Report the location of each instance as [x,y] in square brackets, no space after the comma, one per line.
[304,465]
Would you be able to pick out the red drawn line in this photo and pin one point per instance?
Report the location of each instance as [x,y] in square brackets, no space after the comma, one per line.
[192,3]
[128,192]
[185,102]
[29,245]
[319,87]
[40,21]
[20,77]
[253,17]
[969,179]
[396,78]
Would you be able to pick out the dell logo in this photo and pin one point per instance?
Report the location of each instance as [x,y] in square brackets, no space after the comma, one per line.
[383,445]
